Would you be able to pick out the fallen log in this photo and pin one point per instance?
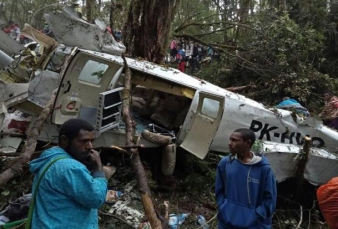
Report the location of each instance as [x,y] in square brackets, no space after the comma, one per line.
[135,157]
[16,167]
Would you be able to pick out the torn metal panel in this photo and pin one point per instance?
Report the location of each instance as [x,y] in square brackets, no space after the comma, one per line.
[321,167]
[9,144]
[39,37]
[162,85]
[284,158]
[5,60]
[71,30]
[41,86]
[59,57]
[8,45]
[12,94]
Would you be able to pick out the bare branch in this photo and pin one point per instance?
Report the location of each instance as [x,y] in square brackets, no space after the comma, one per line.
[189,18]
[215,46]
[212,32]
[213,23]
[136,161]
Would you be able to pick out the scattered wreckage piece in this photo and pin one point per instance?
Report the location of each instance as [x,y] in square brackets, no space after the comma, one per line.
[29,149]
[8,45]
[35,35]
[284,159]
[127,208]
[5,60]
[71,30]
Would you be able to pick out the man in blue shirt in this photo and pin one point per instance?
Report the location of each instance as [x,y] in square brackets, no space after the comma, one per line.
[245,188]
[73,188]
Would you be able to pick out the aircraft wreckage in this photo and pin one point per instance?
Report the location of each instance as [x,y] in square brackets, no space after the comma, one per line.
[171,109]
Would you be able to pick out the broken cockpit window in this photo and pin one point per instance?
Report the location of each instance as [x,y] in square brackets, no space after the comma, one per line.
[92,72]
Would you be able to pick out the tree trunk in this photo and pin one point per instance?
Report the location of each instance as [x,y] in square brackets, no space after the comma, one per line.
[242,17]
[99,6]
[89,10]
[148,27]
[111,16]
[136,162]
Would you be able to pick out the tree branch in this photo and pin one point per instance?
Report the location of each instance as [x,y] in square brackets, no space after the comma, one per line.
[136,162]
[192,37]
[213,23]
[186,20]
[212,32]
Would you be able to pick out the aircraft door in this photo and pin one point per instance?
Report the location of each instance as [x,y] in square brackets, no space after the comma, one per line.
[79,95]
[206,121]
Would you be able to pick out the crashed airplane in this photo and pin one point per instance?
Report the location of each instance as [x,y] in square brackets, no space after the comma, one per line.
[170,108]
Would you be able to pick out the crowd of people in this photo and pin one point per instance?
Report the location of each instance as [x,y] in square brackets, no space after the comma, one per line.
[190,54]
[13,30]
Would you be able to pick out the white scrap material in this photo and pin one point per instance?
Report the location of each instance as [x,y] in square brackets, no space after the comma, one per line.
[122,207]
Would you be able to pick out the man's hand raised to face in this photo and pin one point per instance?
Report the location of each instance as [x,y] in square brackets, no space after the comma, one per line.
[95,158]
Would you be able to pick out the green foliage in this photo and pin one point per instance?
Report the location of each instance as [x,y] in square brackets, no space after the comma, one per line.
[198,175]
[281,59]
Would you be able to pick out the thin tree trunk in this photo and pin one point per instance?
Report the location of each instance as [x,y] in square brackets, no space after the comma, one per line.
[301,166]
[242,16]
[111,16]
[99,6]
[89,10]
[11,12]
[2,12]
[136,162]
[29,149]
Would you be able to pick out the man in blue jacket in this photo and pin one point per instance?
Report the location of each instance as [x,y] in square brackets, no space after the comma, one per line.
[73,188]
[245,186]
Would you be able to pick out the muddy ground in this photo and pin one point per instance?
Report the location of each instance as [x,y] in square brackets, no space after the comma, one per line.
[189,190]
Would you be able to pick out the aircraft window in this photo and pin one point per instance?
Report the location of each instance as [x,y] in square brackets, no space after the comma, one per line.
[210,108]
[92,72]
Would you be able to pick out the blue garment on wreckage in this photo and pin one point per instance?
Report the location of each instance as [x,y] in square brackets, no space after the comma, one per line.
[293,104]
[68,195]
[246,194]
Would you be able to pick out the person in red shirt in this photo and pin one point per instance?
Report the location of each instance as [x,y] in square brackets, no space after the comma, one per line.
[181,59]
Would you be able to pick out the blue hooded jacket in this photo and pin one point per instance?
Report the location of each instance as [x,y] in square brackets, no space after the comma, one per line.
[245,193]
[68,195]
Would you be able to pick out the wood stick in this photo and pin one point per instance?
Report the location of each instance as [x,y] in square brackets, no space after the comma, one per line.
[304,153]
[136,162]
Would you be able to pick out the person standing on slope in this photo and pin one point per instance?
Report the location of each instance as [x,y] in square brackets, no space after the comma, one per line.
[245,188]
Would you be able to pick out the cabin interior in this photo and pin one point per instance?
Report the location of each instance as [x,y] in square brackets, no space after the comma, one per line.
[158,101]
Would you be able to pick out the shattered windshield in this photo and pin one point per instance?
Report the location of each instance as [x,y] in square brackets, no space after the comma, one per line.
[92,72]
